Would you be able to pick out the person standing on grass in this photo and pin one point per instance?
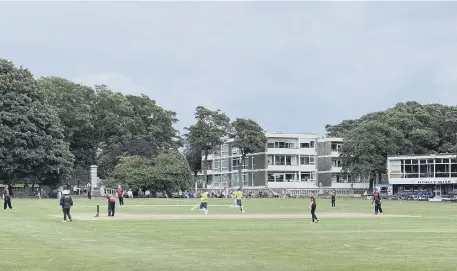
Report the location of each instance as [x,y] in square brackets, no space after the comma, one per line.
[66,202]
[313,206]
[111,204]
[377,202]
[238,198]
[204,202]
[120,195]
[333,198]
[89,191]
[6,198]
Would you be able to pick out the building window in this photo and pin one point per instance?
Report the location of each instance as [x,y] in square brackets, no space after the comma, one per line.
[290,177]
[336,163]
[225,150]
[407,188]
[337,178]
[307,160]
[283,160]
[307,176]
[217,165]
[236,163]
[281,145]
[271,160]
[426,168]
[307,145]
[336,147]
[279,177]
[225,179]
[395,167]
[216,179]
[442,168]
[280,160]
[225,165]
[411,168]
[271,177]
[235,151]
[288,160]
[209,165]
[454,169]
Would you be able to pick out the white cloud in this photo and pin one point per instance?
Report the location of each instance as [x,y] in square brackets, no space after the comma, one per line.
[290,65]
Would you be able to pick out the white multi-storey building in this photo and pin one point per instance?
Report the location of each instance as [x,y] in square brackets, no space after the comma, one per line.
[290,160]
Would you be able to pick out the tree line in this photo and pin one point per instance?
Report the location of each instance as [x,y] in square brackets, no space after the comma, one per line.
[53,129]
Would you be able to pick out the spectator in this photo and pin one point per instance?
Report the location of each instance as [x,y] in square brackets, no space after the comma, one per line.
[147,193]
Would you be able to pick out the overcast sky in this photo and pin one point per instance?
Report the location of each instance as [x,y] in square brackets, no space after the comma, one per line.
[292,67]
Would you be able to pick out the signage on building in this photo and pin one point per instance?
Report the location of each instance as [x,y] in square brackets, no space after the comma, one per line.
[422,181]
[435,182]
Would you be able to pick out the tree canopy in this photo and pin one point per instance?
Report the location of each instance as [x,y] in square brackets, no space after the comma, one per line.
[209,132]
[32,138]
[407,128]
[53,129]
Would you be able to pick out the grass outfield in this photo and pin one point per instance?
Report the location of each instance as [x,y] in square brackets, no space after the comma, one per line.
[274,234]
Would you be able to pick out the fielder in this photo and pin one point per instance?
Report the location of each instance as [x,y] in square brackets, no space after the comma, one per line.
[313,206]
[66,202]
[238,198]
[6,198]
[111,205]
[204,202]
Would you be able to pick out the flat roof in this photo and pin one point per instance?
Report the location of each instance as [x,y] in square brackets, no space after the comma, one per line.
[331,139]
[290,135]
[422,156]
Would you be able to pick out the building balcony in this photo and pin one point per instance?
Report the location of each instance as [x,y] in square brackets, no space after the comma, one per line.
[284,168]
[294,151]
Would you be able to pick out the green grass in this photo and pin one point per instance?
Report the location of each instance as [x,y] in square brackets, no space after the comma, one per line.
[34,237]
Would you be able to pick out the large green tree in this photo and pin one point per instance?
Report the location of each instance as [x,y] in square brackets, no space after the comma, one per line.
[209,132]
[366,148]
[32,138]
[74,104]
[130,126]
[249,137]
[168,171]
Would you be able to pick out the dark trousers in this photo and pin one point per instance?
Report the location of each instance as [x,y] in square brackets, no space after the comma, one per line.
[89,195]
[313,213]
[121,201]
[66,213]
[377,207]
[333,203]
[111,208]
[7,203]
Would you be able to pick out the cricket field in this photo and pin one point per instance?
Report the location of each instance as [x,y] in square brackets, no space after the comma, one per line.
[273,235]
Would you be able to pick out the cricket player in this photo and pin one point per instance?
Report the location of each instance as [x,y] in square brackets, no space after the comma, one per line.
[333,198]
[239,197]
[120,195]
[377,202]
[111,204]
[6,198]
[313,206]
[204,202]
[66,202]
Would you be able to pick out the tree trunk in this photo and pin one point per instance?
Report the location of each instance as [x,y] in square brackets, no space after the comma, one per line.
[372,180]
[205,170]
[240,169]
